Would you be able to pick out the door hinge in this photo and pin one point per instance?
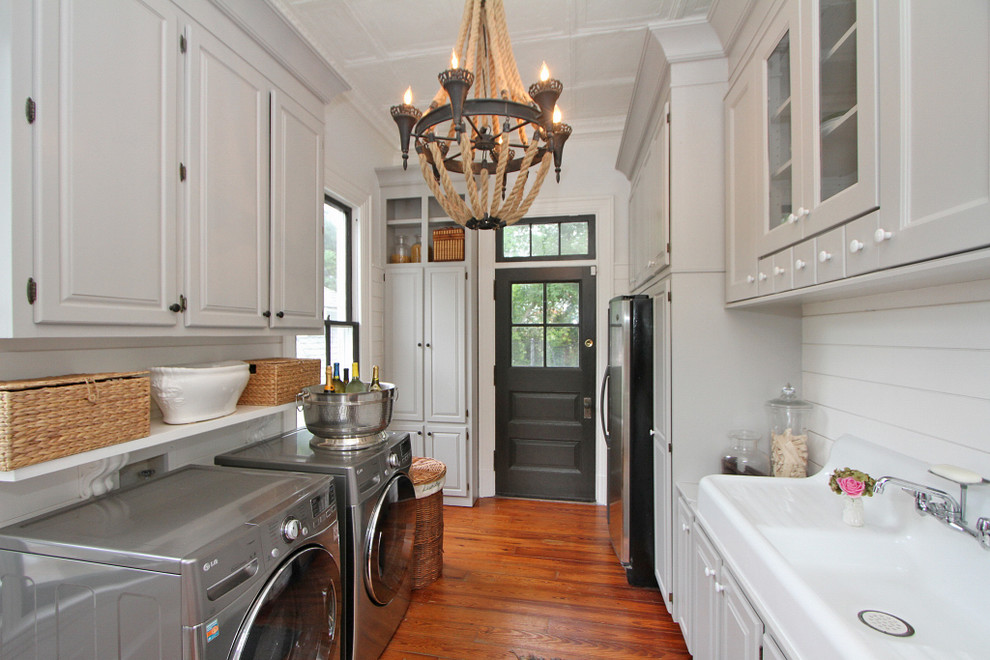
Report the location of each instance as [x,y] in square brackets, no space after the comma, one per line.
[465,275]
[670,597]
[182,172]
[182,43]
[30,110]
[668,116]
[32,290]
[669,297]
[670,448]
[494,375]
[668,247]
[494,290]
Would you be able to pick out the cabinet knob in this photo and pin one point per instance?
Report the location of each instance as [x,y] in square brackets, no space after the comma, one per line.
[856,246]
[709,572]
[175,307]
[267,313]
[791,218]
[778,271]
[824,257]
[750,279]
[419,344]
[762,277]
[719,588]
[281,315]
[685,528]
[429,433]
[803,212]
[799,264]
[881,235]
[427,344]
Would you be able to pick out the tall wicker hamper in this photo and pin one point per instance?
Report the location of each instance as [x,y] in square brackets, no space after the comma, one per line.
[42,419]
[275,381]
[428,477]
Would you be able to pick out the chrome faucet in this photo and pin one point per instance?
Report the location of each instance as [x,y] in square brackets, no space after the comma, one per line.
[940,505]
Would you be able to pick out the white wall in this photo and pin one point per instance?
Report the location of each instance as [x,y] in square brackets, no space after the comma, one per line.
[910,371]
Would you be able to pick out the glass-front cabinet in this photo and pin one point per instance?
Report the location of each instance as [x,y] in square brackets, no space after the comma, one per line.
[821,136]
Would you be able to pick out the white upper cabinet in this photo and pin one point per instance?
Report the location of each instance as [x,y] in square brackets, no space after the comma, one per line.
[935,129]
[445,332]
[649,218]
[227,230]
[821,138]
[105,148]
[296,216]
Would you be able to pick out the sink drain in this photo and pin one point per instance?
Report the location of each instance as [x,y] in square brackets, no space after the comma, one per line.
[886,623]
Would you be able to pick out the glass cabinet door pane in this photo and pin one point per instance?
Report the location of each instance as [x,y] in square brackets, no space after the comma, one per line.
[837,118]
[779,131]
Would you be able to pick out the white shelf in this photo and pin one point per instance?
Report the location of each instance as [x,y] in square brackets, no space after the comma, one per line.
[161,433]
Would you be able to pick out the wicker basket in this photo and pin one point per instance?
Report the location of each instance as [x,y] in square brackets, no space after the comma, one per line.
[46,418]
[275,381]
[448,244]
[428,476]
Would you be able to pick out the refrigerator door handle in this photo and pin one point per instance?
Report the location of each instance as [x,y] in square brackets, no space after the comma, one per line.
[601,404]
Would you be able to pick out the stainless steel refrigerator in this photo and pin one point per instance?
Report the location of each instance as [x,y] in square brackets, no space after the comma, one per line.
[626,414]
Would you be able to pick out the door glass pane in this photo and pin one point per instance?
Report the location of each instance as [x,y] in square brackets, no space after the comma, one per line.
[838,105]
[527,346]
[574,238]
[563,302]
[545,240]
[390,545]
[779,131]
[527,303]
[563,346]
[515,241]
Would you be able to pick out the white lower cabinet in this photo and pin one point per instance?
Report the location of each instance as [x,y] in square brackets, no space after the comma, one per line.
[449,445]
[716,616]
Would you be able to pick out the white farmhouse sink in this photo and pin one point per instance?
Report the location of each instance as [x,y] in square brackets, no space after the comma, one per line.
[810,574]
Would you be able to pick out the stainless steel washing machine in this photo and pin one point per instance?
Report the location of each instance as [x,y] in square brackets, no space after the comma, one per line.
[202,563]
[377,507]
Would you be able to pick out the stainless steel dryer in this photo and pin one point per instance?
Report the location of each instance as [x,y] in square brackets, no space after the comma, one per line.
[377,507]
[201,563]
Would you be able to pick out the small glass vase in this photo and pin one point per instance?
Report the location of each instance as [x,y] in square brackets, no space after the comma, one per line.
[852,511]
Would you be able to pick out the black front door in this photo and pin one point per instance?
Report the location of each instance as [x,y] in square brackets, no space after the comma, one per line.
[545,383]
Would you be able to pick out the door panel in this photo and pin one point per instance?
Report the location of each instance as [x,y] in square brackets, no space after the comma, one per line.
[446,342]
[404,339]
[545,383]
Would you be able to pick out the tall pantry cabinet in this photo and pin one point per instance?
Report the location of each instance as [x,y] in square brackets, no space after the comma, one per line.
[713,368]
[430,334]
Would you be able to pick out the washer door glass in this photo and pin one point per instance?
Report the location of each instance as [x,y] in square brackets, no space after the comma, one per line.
[389,542]
[295,616]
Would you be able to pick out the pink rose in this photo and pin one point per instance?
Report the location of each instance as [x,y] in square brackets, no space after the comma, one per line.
[851,487]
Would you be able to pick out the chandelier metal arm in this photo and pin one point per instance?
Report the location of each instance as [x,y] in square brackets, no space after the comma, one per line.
[502,107]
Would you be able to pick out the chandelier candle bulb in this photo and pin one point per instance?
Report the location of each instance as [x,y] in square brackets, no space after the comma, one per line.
[405,116]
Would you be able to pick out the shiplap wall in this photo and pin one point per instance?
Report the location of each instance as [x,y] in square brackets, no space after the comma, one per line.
[910,371]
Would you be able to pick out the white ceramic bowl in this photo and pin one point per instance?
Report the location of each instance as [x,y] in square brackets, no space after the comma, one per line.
[195,392]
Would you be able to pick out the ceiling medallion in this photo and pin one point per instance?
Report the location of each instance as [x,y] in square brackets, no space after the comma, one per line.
[500,130]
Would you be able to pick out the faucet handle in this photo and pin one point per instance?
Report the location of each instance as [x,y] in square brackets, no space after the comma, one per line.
[960,475]
[983,531]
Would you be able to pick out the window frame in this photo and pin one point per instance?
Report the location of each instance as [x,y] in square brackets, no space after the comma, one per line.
[349,321]
[558,220]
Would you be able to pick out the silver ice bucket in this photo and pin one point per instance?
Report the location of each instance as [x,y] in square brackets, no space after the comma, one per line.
[346,415]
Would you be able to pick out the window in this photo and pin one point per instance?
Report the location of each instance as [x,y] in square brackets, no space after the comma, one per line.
[547,239]
[340,340]
[545,318]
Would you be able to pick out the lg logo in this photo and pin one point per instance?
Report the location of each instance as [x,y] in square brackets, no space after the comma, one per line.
[210,564]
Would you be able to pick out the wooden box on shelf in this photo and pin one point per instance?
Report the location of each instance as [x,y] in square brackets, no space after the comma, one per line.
[275,381]
[448,244]
[42,419]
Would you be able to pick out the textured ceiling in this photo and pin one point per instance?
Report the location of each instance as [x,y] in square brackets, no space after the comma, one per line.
[592,46]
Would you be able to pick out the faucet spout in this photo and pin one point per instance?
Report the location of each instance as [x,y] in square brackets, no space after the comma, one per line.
[940,505]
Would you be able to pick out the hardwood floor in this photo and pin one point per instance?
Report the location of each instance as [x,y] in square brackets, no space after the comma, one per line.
[532,579]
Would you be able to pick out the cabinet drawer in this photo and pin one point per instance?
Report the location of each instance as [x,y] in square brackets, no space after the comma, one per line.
[781,272]
[861,249]
[803,264]
[764,276]
[830,256]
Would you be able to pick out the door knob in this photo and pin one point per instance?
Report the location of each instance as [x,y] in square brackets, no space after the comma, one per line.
[588,343]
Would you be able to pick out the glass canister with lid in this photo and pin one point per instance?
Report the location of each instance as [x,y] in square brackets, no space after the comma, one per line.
[788,418]
[744,455]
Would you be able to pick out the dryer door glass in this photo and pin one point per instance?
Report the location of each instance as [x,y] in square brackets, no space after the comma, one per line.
[295,616]
[389,541]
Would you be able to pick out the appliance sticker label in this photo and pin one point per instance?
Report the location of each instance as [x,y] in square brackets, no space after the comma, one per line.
[212,630]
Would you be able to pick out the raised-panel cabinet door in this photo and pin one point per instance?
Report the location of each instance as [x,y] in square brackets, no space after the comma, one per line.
[704,599]
[227,229]
[105,141]
[935,113]
[663,486]
[404,339]
[743,200]
[449,446]
[682,571]
[741,629]
[445,343]
[297,216]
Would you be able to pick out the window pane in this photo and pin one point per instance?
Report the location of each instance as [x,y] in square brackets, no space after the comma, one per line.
[545,243]
[563,347]
[527,303]
[334,263]
[574,238]
[342,345]
[563,302]
[515,241]
[527,346]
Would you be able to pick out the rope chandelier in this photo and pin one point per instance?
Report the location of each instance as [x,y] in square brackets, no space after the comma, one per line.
[501,130]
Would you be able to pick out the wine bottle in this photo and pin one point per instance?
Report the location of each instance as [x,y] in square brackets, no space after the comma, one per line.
[375,385]
[329,385]
[355,384]
[346,379]
[338,384]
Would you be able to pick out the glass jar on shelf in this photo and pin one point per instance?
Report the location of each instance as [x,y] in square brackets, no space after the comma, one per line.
[400,251]
[744,455]
[788,418]
[416,252]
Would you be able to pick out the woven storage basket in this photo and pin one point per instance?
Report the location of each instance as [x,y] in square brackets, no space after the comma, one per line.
[46,418]
[448,244]
[428,476]
[275,381]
